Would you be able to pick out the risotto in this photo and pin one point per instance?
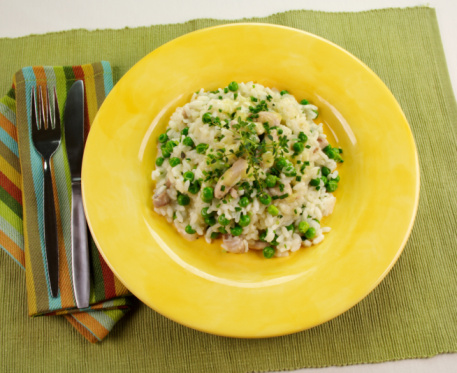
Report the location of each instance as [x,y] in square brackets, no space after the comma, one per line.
[248,164]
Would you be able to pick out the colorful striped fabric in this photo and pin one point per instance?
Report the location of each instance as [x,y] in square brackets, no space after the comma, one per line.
[21,202]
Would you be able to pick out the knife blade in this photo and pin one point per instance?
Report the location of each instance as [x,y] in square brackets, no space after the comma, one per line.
[74,140]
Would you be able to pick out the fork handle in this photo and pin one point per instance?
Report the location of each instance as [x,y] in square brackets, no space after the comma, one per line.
[50,230]
[79,248]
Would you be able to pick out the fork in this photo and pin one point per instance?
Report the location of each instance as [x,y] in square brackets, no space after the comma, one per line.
[46,138]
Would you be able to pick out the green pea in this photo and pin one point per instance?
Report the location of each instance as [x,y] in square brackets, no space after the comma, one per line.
[215,235]
[245,220]
[183,199]
[159,161]
[304,102]
[174,161]
[310,233]
[271,181]
[269,252]
[303,226]
[189,175]
[317,113]
[244,201]
[204,212]
[327,149]
[189,230]
[194,187]
[207,194]
[302,137]
[202,148]
[236,230]
[185,131]
[333,153]
[210,220]
[291,227]
[223,220]
[233,86]
[163,138]
[331,186]
[337,179]
[170,145]
[188,141]
[273,210]
[325,171]
[206,118]
[298,147]
[315,182]
[165,152]
[265,199]
[324,179]
[284,93]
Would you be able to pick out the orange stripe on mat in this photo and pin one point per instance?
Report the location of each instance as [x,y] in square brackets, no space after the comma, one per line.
[81,329]
[40,75]
[95,327]
[9,127]
[10,246]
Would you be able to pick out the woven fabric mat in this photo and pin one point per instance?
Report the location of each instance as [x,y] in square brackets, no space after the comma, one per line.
[412,313]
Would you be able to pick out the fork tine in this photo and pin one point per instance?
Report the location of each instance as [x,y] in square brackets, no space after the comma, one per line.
[41,109]
[56,112]
[49,118]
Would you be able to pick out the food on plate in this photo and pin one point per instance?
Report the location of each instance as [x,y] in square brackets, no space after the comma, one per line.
[248,164]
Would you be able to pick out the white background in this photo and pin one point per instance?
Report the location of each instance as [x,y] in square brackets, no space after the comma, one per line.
[24,17]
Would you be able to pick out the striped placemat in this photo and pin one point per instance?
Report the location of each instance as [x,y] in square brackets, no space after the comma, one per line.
[21,198]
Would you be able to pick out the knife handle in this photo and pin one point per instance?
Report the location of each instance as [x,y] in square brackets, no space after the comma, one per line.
[79,248]
[50,230]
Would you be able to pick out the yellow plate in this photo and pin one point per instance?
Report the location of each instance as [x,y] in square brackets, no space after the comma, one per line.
[199,285]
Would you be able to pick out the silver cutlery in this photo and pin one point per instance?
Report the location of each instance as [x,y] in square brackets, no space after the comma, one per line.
[74,141]
[46,137]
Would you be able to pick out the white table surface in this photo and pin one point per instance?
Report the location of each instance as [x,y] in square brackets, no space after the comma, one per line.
[37,17]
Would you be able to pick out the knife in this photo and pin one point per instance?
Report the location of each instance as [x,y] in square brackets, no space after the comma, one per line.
[74,140]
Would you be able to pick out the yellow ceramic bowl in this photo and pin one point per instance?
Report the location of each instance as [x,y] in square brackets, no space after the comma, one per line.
[199,285]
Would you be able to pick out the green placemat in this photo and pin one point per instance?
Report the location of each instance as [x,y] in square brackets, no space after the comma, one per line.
[412,313]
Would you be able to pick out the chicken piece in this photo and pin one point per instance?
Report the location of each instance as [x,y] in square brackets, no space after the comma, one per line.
[161,199]
[257,245]
[234,244]
[230,178]
[322,142]
[277,192]
[234,193]
[272,119]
